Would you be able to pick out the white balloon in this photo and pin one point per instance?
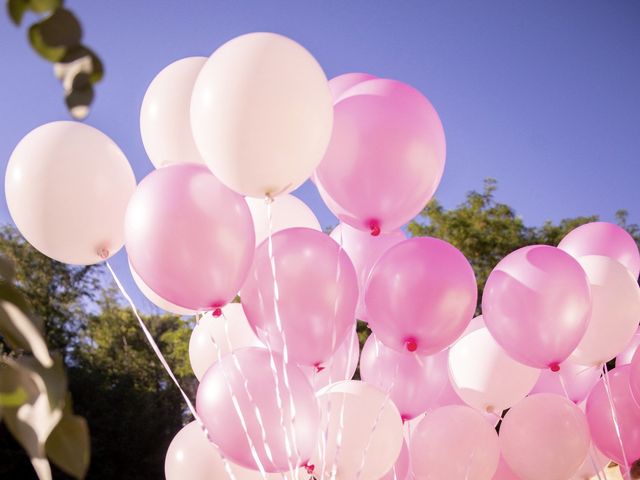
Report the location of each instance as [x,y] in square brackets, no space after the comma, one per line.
[214,337]
[485,376]
[262,114]
[287,211]
[67,186]
[165,114]
[359,407]
[156,299]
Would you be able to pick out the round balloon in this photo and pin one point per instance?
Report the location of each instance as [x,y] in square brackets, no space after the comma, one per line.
[414,382]
[544,436]
[189,237]
[287,211]
[537,304]
[625,356]
[385,158]
[249,410]
[261,114]
[485,376]
[214,337]
[455,443]
[602,238]
[401,468]
[192,456]
[420,296]
[634,377]
[504,472]
[156,299]
[67,187]
[164,116]
[614,314]
[317,293]
[572,380]
[342,83]
[593,465]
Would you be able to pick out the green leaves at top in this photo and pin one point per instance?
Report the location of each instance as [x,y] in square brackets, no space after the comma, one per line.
[52,36]
[17,8]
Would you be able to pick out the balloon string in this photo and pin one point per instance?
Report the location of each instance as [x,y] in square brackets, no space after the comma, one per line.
[614,417]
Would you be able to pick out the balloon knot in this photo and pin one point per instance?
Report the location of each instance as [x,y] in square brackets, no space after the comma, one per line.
[217,312]
[490,409]
[404,418]
[411,345]
[374,226]
[554,367]
[309,468]
[319,367]
[634,470]
[103,253]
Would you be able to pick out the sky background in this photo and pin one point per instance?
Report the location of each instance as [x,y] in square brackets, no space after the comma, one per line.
[544,96]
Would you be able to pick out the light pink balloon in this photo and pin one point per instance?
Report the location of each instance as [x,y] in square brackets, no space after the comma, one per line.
[536,304]
[634,377]
[627,414]
[578,381]
[401,468]
[504,472]
[455,443]
[341,84]
[386,155]
[421,295]
[624,357]
[595,463]
[189,237]
[602,238]
[545,436]
[318,291]
[414,382]
[450,397]
[244,380]
[191,455]
[364,250]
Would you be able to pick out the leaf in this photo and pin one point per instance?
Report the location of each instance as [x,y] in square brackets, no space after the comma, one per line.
[53,54]
[79,99]
[95,69]
[68,446]
[41,6]
[21,332]
[16,9]
[60,29]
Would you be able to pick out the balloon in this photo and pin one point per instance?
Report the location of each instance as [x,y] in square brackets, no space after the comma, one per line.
[385,158]
[156,299]
[358,407]
[420,296]
[214,337]
[67,186]
[634,377]
[244,380]
[602,238]
[572,380]
[189,237]
[595,463]
[455,443]
[401,468]
[615,311]
[342,83]
[485,376]
[261,114]
[341,366]
[537,304]
[164,116]
[317,289]
[414,382]
[192,456]
[625,356]
[627,414]
[364,250]
[287,211]
[544,436]
[504,472]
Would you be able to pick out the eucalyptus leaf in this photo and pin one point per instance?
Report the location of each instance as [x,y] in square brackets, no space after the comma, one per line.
[42,6]
[16,9]
[20,332]
[68,446]
[60,29]
[51,53]
[96,69]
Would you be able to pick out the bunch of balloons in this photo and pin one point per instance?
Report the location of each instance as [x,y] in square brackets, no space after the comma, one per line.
[230,136]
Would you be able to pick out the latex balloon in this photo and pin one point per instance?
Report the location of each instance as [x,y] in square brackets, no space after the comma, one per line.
[189,237]
[614,314]
[572,380]
[192,456]
[634,377]
[364,250]
[156,299]
[420,296]
[627,416]
[164,116]
[317,294]
[67,186]
[593,465]
[249,414]
[401,468]
[602,238]
[455,443]
[485,376]
[414,382]
[342,83]
[341,366]
[261,114]
[287,211]
[214,337]
[385,158]
[625,356]
[504,472]
[537,304]
[552,427]
[367,427]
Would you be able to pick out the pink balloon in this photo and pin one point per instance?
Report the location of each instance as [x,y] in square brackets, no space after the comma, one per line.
[401,468]
[455,443]
[545,436]
[421,295]
[450,397]
[341,84]
[414,382]
[317,288]
[244,380]
[634,377]
[627,414]
[578,381]
[536,304]
[385,158]
[189,238]
[624,357]
[595,463]
[602,238]
[504,472]
[364,250]
[191,455]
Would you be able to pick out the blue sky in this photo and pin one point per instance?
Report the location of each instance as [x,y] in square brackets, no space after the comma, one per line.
[542,95]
